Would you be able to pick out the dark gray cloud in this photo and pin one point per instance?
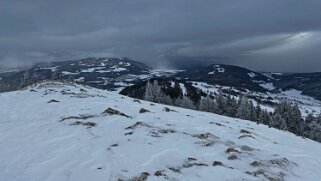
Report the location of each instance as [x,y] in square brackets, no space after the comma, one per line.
[270,35]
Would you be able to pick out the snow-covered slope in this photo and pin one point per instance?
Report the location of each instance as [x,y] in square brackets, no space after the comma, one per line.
[55,131]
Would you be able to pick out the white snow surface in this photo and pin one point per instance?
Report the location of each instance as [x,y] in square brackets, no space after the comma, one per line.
[252,74]
[268,86]
[49,68]
[93,69]
[36,145]
[68,73]
[218,69]
[164,72]
[80,79]
[184,90]
[207,88]
[127,64]
[119,69]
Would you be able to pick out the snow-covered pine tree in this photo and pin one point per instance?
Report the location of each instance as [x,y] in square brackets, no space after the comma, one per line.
[253,115]
[185,102]
[278,122]
[220,104]
[319,118]
[71,78]
[266,118]
[206,104]
[292,116]
[309,118]
[154,93]
[243,110]
[296,122]
[258,111]
[231,106]
[56,75]
[26,80]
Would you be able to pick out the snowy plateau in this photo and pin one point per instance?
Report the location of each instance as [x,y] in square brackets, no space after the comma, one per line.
[54,131]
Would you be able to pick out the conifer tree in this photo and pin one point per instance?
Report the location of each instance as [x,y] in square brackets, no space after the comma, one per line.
[220,104]
[26,80]
[243,110]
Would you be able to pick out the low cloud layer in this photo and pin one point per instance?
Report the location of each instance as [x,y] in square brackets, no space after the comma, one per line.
[273,35]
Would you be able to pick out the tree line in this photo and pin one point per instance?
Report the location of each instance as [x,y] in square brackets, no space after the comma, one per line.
[286,116]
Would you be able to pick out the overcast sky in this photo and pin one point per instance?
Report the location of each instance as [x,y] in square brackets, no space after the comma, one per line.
[264,35]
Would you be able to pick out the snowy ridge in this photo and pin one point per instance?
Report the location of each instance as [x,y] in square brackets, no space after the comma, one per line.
[56,131]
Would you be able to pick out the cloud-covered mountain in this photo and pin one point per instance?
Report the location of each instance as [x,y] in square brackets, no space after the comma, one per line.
[274,35]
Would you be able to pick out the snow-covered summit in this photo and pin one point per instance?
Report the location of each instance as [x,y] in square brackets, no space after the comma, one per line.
[59,131]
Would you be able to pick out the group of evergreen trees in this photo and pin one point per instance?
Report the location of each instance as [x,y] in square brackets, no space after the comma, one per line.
[28,79]
[312,127]
[155,93]
[286,116]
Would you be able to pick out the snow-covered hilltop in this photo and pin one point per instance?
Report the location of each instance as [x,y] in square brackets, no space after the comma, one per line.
[58,131]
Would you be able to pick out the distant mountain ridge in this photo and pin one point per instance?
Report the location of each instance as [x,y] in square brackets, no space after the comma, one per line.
[245,79]
[113,73]
[97,72]
[227,75]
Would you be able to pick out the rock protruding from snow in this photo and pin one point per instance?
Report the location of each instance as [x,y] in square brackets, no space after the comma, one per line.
[114,111]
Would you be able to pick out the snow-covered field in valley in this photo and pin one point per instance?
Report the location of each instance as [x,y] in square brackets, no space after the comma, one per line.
[65,132]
